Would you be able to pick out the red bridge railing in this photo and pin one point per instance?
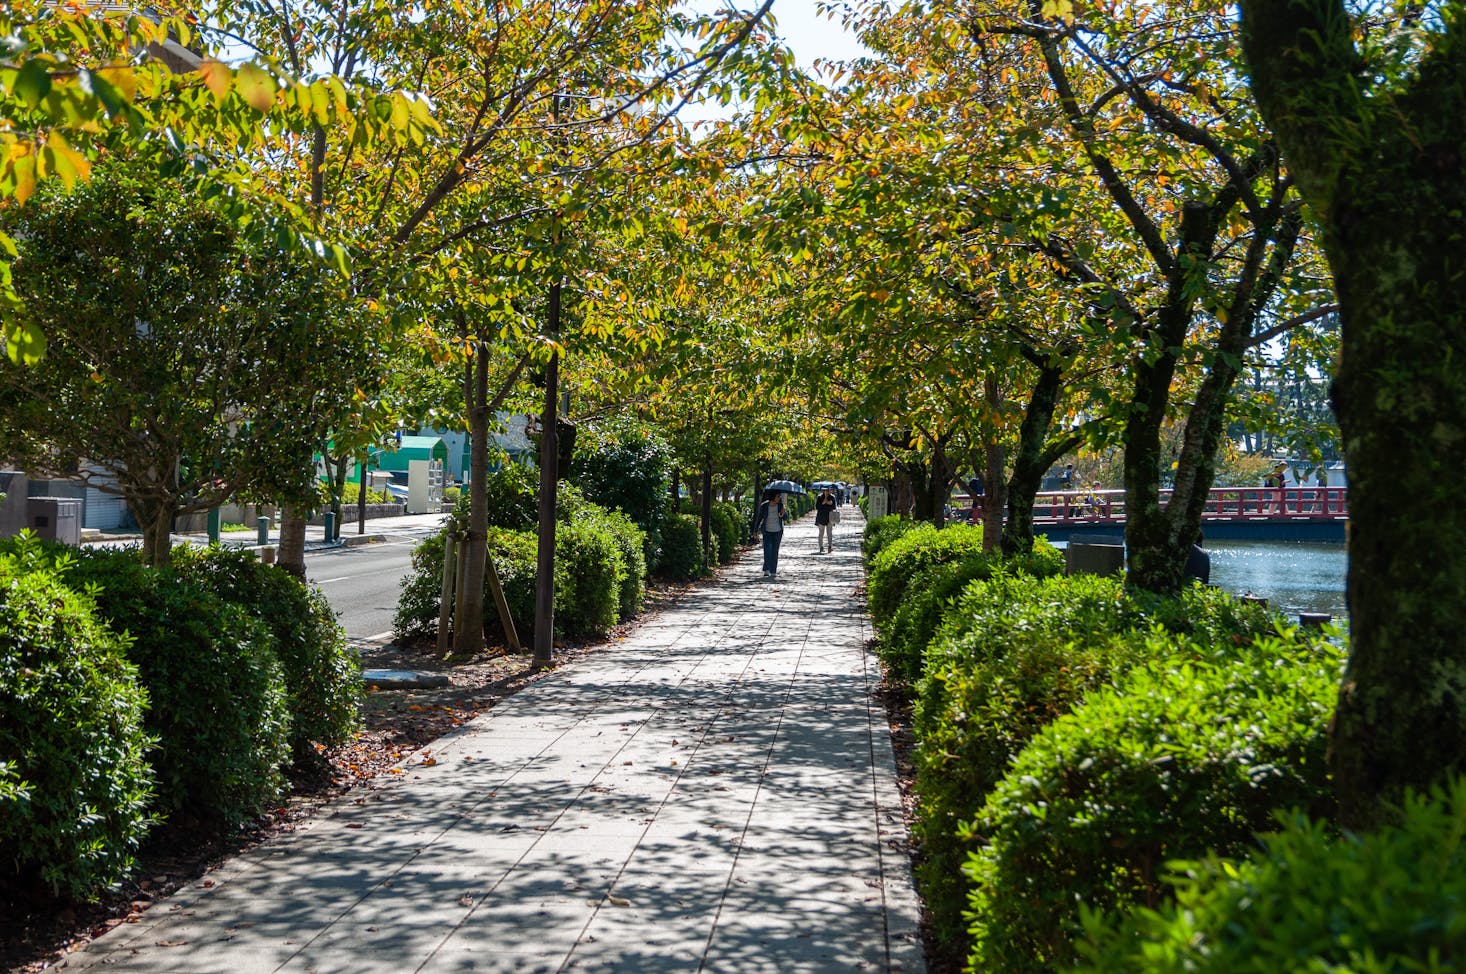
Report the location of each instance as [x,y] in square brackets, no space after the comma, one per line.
[1222,504]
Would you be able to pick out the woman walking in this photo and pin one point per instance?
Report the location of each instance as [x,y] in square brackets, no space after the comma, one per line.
[770,524]
[824,520]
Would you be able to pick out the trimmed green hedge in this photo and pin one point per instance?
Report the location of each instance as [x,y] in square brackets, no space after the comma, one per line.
[725,524]
[680,558]
[593,571]
[1013,654]
[1389,901]
[322,674]
[630,539]
[904,558]
[1194,754]
[219,706]
[943,572]
[880,532]
[75,784]
[600,577]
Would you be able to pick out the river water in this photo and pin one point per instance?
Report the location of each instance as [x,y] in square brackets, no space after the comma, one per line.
[1294,577]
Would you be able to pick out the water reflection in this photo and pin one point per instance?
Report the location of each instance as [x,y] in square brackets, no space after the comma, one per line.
[1294,576]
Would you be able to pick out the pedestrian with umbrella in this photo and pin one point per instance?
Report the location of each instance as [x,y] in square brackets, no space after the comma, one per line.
[825,518]
[769,523]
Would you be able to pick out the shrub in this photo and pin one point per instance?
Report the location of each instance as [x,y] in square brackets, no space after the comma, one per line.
[75,785]
[928,597]
[1013,654]
[600,577]
[513,496]
[880,532]
[1309,900]
[322,674]
[626,465]
[218,692]
[631,541]
[588,602]
[513,493]
[417,600]
[451,496]
[1184,758]
[907,556]
[515,555]
[725,531]
[351,495]
[681,556]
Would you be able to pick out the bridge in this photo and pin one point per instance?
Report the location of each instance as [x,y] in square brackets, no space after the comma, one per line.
[1231,513]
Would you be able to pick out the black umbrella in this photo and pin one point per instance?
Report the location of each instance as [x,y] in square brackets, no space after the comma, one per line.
[784,487]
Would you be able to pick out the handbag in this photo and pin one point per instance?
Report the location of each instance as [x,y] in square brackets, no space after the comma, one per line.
[834,517]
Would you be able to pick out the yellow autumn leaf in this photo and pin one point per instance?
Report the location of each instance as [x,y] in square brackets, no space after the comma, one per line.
[217,77]
[23,172]
[255,86]
[69,164]
[122,79]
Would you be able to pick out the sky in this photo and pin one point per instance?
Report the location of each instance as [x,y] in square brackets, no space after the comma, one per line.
[812,36]
[809,34]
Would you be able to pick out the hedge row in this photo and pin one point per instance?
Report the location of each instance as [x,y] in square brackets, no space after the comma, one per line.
[915,574]
[600,575]
[1073,737]
[129,693]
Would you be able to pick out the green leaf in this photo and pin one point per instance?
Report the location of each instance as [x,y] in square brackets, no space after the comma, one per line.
[33,82]
[24,341]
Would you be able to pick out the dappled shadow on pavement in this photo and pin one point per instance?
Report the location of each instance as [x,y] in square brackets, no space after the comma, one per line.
[714,794]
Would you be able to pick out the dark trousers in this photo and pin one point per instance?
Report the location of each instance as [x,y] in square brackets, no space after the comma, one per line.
[771,550]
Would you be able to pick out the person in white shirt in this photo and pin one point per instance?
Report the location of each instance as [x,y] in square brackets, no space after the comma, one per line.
[770,525]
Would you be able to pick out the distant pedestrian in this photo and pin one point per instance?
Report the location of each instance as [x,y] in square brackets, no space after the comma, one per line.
[824,519]
[975,489]
[1278,480]
[769,522]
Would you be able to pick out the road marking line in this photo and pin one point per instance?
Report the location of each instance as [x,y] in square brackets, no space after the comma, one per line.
[344,578]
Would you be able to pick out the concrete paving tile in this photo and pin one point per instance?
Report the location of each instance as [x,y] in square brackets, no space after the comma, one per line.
[702,796]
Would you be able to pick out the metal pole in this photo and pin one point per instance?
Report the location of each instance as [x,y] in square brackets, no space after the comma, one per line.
[330,526]
[262,530]
[361,498]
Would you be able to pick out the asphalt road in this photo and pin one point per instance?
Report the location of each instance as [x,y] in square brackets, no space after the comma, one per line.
[362,582]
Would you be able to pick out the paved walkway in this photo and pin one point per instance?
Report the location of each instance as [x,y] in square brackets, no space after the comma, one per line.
[714,793]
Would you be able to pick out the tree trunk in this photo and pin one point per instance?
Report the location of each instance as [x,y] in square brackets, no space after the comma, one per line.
[1033,459]
[468,626]
[995,501]
[156,521]
[1384,173]
[544,601]
[290,554]
[338,485]
[708,558]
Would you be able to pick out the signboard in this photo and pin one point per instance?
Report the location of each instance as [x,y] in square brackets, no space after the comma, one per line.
[879,503]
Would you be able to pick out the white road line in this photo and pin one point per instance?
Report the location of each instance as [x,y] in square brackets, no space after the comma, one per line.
[347,578]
